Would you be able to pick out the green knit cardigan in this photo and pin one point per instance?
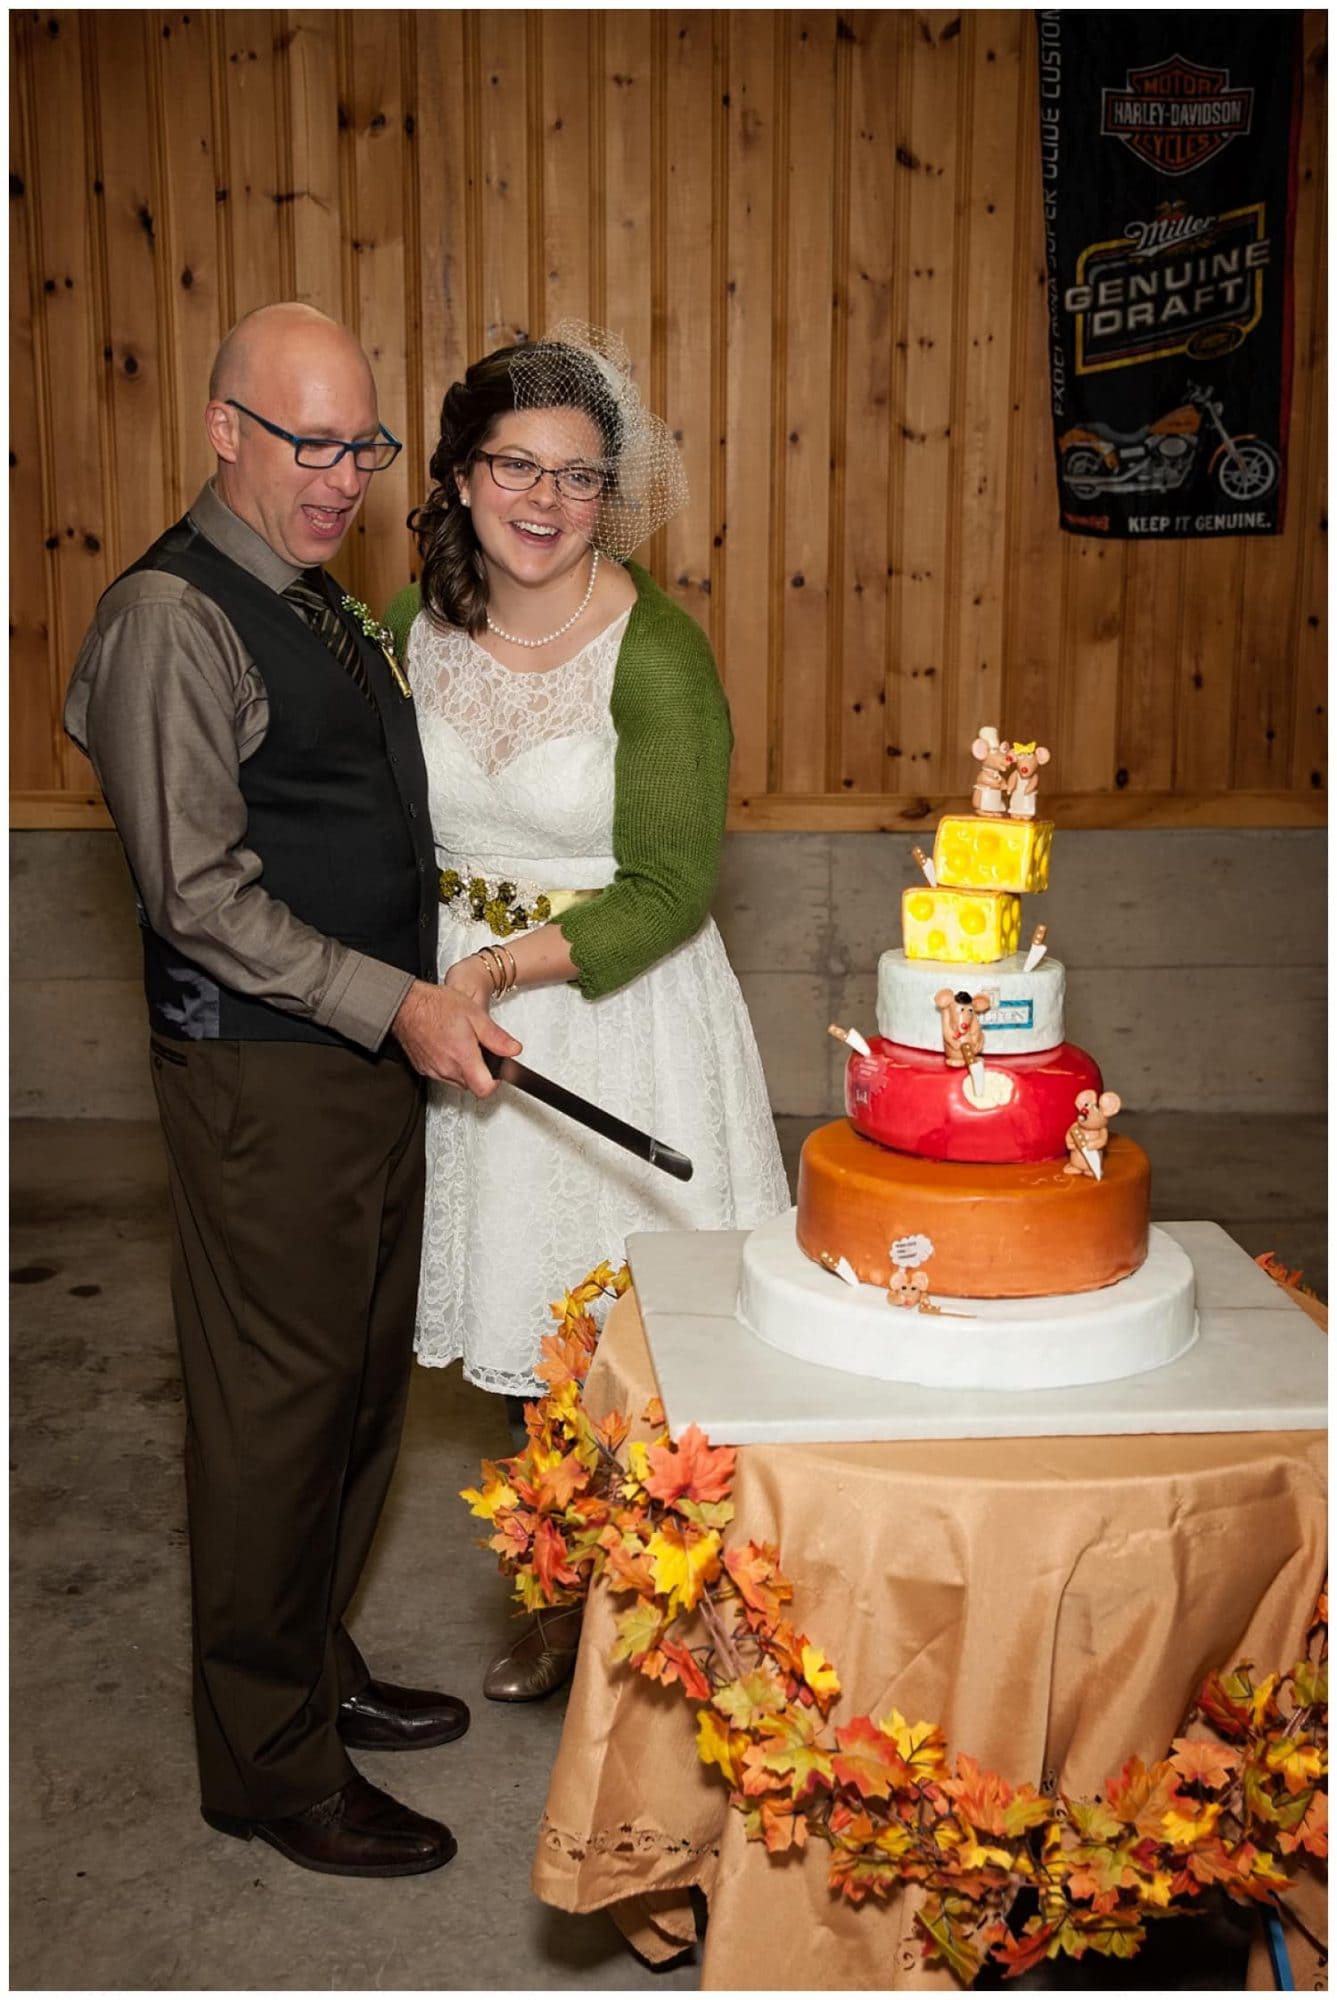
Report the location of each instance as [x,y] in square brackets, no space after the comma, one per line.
[671,788]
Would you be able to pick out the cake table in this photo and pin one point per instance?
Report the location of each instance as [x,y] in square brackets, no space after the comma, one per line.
[1053,1602]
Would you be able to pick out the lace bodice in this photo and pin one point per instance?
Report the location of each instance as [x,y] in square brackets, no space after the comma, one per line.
[520,765]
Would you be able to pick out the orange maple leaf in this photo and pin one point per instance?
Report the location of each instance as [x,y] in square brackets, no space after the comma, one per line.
[680,1665]
[693,1469]
[557,1484]
[755,1571]
[550,1560]
[1023,1954]
[783,1825]
[1202,1762]
[868,1760]
[561,1360]
[981,1794]
[612,1430]
[1141,1797]
[626,1567]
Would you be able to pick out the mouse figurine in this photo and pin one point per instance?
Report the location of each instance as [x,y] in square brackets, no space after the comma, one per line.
[962,1028]
[1023,783]
[993,776]
[1088,1135]
[908,1289]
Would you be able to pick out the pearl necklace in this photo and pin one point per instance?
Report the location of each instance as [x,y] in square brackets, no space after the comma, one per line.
[548,637]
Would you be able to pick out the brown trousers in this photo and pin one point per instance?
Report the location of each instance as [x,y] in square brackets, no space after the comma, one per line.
[296,1179]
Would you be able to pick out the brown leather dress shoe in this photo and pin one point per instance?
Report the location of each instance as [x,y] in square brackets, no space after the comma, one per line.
[541,1660]
[357,1831]
[381,1716]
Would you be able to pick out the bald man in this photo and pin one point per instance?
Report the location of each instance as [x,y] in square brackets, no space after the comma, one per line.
[261,761]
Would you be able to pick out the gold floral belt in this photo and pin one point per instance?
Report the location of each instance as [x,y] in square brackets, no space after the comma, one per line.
[501,906]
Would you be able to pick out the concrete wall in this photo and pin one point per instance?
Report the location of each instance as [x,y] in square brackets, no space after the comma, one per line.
[1195,964]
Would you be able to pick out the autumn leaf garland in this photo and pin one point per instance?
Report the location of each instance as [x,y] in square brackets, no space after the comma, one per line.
[1233,1811]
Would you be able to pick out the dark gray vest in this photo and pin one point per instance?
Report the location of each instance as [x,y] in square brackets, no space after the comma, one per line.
[336,802]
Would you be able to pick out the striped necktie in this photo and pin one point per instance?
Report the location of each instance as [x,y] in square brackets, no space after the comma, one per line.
[307,593]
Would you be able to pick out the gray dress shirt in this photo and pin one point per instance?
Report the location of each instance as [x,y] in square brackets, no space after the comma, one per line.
[168,705]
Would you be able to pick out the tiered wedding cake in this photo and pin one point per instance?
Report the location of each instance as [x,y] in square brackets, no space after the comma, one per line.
[973,1222]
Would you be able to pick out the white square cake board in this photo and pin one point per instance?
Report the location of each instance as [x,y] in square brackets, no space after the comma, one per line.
[1259,1363]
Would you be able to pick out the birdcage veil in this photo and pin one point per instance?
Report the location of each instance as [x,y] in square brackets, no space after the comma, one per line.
[586,368]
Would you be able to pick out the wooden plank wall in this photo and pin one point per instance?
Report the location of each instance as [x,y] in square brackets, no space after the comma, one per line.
[820,235]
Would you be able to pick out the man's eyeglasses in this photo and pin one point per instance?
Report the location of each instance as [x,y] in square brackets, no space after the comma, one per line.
[518,475]
[319,454]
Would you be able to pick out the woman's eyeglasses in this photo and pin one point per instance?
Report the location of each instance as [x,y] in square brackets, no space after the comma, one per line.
[518,475]
[319,454]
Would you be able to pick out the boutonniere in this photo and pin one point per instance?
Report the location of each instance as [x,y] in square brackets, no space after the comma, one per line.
[380,635]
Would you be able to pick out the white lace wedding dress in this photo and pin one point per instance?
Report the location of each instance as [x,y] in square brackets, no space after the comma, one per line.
[521,1202]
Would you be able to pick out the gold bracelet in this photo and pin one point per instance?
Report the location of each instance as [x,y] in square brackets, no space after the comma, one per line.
[496,971]
[502,959]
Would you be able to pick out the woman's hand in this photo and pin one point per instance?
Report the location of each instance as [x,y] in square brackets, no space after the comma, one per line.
[471,978]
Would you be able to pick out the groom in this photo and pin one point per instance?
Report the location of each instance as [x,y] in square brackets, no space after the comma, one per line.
[262,766]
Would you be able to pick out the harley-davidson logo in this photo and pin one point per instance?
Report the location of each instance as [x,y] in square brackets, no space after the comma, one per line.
[1176,115]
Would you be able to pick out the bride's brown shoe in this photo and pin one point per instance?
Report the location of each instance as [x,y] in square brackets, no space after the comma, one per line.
[540,1661]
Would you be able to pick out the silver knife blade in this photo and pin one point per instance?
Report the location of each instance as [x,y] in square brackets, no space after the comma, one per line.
[595,1119]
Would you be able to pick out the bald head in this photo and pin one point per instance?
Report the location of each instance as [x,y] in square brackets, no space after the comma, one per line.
[296,371]
[279,336]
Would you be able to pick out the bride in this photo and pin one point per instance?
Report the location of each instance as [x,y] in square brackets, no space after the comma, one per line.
[577,742]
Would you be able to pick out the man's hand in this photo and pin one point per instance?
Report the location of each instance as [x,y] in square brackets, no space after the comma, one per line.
[440,1032]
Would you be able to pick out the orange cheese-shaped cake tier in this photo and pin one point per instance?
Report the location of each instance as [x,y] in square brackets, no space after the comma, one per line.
[998,1232]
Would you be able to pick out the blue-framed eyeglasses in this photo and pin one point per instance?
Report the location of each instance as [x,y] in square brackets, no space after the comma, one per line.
[320,454]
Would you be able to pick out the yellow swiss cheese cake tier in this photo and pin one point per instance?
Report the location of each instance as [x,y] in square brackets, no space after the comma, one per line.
[998,1232]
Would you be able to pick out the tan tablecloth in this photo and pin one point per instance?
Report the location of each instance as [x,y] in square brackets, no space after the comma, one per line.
[1054,1603]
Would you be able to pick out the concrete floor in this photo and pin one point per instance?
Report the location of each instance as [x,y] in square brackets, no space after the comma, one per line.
[116,1882]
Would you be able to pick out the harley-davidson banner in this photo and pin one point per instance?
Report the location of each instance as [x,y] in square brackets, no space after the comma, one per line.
[1168,147]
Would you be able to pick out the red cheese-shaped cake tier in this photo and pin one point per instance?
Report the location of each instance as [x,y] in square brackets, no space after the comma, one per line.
[998,1232]
[909,1099]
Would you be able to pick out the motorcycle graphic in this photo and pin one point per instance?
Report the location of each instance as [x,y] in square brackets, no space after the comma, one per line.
[1096,459]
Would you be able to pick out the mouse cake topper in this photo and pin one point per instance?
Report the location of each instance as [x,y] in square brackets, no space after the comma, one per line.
[1088,1135]
[908,1286]
[992,779]
[1023,781]
[963,1028]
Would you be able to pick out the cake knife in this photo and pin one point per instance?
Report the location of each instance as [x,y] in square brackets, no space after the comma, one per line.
[595,1119]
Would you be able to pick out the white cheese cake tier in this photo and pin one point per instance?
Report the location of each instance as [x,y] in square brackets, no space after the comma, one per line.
[1025,1014]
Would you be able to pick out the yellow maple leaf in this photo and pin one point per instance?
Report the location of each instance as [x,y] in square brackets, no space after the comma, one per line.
[496,1495]
[1300,1763]
[921,1744]
[715,1743]
[682,1568]
[1156,1888]
[819,1674]
[973,1853]
[1187,1829]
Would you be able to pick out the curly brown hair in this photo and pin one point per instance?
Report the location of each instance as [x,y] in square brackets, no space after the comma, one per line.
[454,580]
